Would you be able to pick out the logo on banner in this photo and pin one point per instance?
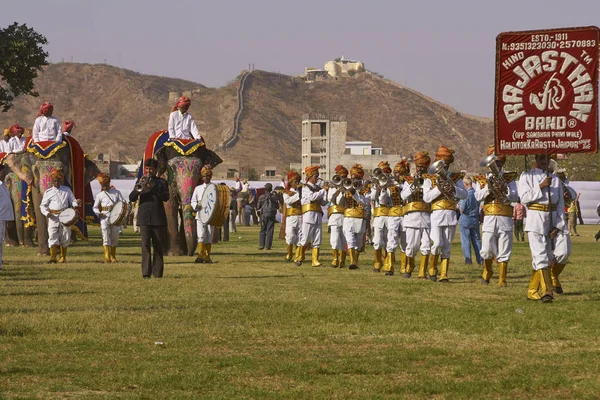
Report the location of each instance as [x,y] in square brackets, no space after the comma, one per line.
[551,97]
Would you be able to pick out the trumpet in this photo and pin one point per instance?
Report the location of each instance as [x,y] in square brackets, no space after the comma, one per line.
[336,181]
[417,184]
[381,179]
[445,185]
[496,182]
[144,185]
[351,184]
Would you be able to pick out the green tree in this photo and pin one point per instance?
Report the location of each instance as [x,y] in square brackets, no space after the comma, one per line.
[21,57]
[252,175]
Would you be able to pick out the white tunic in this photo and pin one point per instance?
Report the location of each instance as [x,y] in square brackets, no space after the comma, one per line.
[338,218]
[415,219]
[313,217]
[5,146]
[106,199]
[182,126]
[197,197]
[442,217]
[493,223]
[57,199]
[47,128]
[530,192]
[17,144]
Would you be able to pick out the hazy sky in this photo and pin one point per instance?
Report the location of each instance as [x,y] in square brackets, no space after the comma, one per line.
[444,49]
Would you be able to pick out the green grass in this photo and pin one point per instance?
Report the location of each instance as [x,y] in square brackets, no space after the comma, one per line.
[253,326]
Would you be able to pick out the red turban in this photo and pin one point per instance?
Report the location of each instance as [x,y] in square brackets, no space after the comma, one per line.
[385,166]
[68,125]
[206,171]
[103,179]
[402,167]
[311,171]
[16,128]
[446,154]
[357,171]
[341,171]
[57,173]
[293,176]
[183,101]
[46,108]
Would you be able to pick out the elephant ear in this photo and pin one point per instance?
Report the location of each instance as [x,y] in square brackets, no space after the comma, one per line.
[163,161]
[91,170]
[20,164]
[211,158]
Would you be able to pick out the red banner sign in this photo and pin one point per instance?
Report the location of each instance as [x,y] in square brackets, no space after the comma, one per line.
[547,91]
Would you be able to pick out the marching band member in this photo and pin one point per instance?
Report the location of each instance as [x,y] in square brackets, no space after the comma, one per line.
[396,230]
[105,201]
[570,197]
[313,197]
[496,191]
[354,215]
[46,127]
[293,213]
[335,196]
[443,195]
[416,220]
[546,229]
[56,199]
[181,123]
[379,202]
[17,142]
[205,231]
[67,127]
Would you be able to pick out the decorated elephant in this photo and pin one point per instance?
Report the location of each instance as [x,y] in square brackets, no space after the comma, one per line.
[23,225]
[180,162]
[34,167]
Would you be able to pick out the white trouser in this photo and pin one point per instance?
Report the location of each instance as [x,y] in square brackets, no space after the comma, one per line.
[205,232]
[58,234]
[496,244]
[395,232]
[232,217]
[110,233]
[2,233]
[293,225]
[425,241]
[354,231]
[417,238]
[379,232]
[311,233]
[442,240]
[542,253]
[336,238]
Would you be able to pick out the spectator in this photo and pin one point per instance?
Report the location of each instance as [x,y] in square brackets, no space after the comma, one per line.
[469,224]
[247,213]
[233,210]
[519,213]
[268,204]
[573,210]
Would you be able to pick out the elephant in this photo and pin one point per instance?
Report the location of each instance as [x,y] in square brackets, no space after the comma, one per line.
[36,172]
[183,174]
[23,233]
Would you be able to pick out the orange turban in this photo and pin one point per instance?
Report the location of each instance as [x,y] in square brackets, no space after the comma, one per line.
[422,159]
[385,166]
[103,179]
[311,171]
[206,171]
[357,171]
[293,176]
[446,154]
[7,132]
[402,167]
[46,108]
[68,125]
[57,173]
[492,150]
[16,128]
[341,171]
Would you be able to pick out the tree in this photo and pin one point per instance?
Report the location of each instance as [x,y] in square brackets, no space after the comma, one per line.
[21,57]
[252,175]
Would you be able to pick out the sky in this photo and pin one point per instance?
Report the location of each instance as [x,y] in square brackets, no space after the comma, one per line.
[443,49]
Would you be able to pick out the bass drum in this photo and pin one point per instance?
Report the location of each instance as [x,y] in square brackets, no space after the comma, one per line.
[68,217]
[215,205]
[118,213]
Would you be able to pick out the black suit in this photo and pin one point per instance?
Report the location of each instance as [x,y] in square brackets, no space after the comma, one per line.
[152,221]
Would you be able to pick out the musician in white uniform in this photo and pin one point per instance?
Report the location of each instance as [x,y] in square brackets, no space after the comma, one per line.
[108,197]
[570,196]
[313,198]
[46,127]
[335,213]
[497,228]
[396,232]
[205,231]
[293,214]
[17,142]
[56,199]
[181,123]
[416,220]
[443,213]
[354,216]
[546,229]
[379,201]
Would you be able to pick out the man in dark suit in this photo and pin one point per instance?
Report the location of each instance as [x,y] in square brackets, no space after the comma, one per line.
[152,191]
[268,204]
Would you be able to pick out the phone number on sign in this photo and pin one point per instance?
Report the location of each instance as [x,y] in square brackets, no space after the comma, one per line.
[563,44]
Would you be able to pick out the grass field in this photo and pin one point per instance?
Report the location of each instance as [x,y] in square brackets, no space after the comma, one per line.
[252,326]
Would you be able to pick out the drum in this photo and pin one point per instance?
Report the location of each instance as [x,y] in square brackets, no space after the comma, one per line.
[215,205]
[118,213]
[68,217]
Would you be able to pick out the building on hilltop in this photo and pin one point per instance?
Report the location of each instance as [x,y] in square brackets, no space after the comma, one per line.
[342,67]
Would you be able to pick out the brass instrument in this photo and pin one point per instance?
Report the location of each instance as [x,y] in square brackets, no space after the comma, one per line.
[380,179]
[554,169]
[444,183]
[417,184]
[496,182]
[145,184]
[336,181]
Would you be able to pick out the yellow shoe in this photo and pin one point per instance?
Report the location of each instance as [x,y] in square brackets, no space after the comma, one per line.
[300,254]
[410,261]
[342,259]
[444,270]
[403,262]
[63,255]
[487,271]
[106,254]
[207,249]
[423,266]
[388,264]
[315,257]
[53,255]
[378,260]
[200,250]
[353,259]
[546,285]
[502,271]
[555,272]
[433,263]
[335,262]
[113,253]
[289,255]
[534,285]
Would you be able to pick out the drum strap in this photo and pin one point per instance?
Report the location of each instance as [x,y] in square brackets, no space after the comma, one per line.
[108,197]
[105,208]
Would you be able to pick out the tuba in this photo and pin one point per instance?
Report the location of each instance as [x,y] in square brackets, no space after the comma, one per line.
[496,182]
[444,183]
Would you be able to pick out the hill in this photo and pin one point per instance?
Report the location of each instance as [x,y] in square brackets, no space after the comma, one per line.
[116,110]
